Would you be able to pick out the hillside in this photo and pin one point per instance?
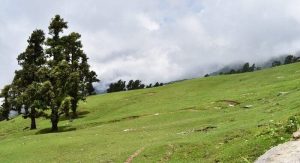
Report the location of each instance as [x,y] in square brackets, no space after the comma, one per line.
[214,119]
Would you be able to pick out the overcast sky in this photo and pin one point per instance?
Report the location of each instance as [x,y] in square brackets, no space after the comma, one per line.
[157,40]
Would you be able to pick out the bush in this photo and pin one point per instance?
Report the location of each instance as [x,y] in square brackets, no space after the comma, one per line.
[281,131]
[292,125]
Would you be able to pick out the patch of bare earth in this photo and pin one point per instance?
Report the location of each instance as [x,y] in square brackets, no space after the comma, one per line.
[130,159]
[231,102]
[168,154]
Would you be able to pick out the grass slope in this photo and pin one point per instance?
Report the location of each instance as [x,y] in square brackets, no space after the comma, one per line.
[187,121]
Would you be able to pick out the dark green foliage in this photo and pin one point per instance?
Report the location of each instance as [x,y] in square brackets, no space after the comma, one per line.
[27,83]
[56,26]
[137,84]
[92,77]
[66,105]
[232,71]
[132,85]
[290,59]
[59,77]
[117,86]
[56,79]
[5,93]
[276,63]
[246,67]
[280,131]
[70,75]
[156,84]
[1,114]
[40,96]
[252,68]
[55,43]
[206,75]
[292,125]
[149,86]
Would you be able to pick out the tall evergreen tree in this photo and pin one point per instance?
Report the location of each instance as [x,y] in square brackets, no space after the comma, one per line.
[26,80]
[60,69]
[81,77]
[70,75]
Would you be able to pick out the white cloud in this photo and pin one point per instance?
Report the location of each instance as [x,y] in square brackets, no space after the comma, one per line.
[158,40]
[147,23]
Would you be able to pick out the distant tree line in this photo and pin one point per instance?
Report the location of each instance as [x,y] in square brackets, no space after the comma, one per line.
[288,60]
[247,68]
[54,75]
[120,85]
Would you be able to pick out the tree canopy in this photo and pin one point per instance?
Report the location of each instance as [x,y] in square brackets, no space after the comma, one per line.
[54,75]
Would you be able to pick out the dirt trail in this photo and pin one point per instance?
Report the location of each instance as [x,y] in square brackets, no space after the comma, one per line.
[129,160]
[284,153]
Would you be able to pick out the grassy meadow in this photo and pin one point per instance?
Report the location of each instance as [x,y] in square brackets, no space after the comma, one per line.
[214,119]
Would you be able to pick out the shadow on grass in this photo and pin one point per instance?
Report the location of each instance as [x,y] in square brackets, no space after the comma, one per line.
[81,114]
[60,129]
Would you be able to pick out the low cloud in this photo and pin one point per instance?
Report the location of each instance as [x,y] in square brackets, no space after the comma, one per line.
[157,40]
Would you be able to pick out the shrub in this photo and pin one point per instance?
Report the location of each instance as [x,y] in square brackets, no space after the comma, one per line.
[292,125]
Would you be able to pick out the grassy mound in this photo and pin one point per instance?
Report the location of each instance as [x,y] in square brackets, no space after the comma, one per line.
[214,119]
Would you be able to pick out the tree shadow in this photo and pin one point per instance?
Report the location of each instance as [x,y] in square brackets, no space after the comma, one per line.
[81,114]
[60,129]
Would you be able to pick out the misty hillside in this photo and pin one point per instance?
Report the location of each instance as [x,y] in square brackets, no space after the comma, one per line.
[216,119]
[260,65]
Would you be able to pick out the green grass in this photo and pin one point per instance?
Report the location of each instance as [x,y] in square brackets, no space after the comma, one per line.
[181,122]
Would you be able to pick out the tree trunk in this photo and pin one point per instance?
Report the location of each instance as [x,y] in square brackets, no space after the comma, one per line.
[74,108]
[54,119]
[54,127]
[33,124]
[32,117]
[67,113]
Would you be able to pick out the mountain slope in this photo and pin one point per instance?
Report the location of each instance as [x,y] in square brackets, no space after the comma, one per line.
[214,119]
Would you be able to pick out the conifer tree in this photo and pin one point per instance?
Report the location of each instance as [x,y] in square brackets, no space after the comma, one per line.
[27,81]
[70,74]
[55,79]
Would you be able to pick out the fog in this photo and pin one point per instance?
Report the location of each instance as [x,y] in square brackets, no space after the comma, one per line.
[157,40]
